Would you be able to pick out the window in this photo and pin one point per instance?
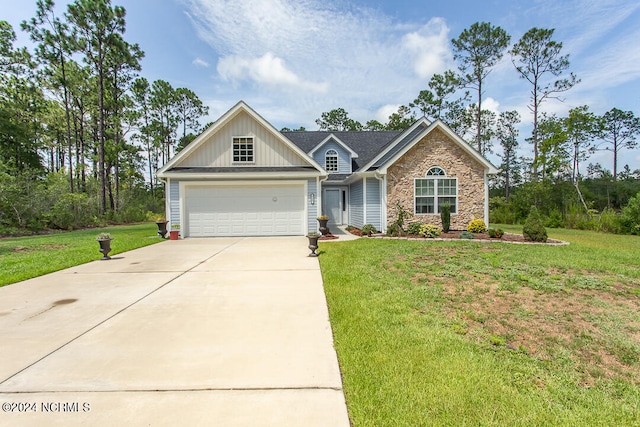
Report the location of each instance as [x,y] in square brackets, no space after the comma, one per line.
[331,161]
[432,192]
[243,149]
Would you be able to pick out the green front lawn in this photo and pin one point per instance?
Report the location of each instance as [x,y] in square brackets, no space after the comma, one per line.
[26,257]
[464,333]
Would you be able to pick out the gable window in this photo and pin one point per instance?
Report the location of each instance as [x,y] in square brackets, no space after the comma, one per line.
[243,149]
[331,161]
[434,190]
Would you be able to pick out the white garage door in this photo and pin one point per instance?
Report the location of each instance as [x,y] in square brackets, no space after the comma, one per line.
[257,210]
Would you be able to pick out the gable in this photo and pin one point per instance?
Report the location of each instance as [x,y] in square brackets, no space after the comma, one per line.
[213,148]
[444,142]
[342,151]
[437,149]
[217,150]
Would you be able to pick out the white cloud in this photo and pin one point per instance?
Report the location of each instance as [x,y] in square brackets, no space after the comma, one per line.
[491,105]
[383,113]
[267,69]
[429,46]
[318,55]
[200,63]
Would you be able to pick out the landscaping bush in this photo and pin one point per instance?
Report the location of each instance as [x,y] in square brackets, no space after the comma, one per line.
[495,233]
[368,229]
[533,228]
[414,227]
[445,217]
[477,226]
[429,230]
[396,228]
[466,235]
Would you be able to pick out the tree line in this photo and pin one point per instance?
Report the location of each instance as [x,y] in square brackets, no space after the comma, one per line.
[559,145]
[81,132]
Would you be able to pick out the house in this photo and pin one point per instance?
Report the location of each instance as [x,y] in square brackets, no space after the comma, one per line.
[243,177]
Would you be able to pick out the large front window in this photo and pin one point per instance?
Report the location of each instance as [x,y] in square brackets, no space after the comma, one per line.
[434,191]
[243,149]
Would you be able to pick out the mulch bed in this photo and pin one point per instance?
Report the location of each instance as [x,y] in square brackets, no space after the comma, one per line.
[328,236]
[455,234]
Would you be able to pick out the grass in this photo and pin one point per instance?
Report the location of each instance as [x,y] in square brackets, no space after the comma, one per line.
[465,333]
[22,258]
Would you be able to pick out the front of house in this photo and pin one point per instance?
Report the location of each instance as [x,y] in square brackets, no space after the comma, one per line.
[242,177]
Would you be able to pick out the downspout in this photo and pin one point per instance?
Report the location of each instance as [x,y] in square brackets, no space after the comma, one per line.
[383,200]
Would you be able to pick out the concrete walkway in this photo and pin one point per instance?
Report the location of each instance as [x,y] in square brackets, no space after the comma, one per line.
[224,332]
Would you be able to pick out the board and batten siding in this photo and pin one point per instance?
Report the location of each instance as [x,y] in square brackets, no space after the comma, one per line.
[373,203]
[344,157]
[312,210]
[356,204]
[174,202]
[269,150]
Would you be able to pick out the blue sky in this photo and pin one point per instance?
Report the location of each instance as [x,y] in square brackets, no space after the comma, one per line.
[291,60]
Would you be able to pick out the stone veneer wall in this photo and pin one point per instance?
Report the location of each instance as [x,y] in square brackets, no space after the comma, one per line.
[437,149]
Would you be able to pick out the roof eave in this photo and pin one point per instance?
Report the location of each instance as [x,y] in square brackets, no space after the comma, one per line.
[238,175]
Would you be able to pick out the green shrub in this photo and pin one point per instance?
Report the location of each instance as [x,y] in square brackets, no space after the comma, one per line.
[396,228]
[445,217]
[609,221]
[466,235]
[414,227]
[533,228]
[429,230]
[477,226]
[368,229]
[495,233]
[554,220]
[501,212]
[70,210]
[630,218]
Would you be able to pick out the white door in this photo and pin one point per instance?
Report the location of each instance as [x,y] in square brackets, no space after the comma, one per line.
[244,210]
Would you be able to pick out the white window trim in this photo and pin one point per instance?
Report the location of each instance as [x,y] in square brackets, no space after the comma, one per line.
[253,149]
[435,191]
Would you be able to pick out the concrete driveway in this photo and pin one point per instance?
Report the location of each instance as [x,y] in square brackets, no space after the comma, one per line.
[224,331]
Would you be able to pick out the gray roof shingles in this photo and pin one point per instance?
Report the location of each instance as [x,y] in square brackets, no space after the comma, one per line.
[366,144]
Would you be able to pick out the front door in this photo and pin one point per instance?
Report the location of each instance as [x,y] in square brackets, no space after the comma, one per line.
[332,205]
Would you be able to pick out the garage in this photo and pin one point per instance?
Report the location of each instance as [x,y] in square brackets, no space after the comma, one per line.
[256,209]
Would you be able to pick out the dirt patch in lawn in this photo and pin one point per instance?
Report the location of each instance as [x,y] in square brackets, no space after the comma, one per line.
[588,324]
[34,248]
